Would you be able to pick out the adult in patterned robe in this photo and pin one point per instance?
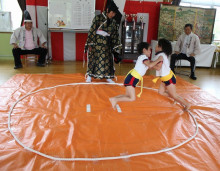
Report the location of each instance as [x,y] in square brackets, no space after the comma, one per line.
[103,40]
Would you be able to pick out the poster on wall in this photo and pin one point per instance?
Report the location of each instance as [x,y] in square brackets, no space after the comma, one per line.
[173,18]
[71,14]
[5,22]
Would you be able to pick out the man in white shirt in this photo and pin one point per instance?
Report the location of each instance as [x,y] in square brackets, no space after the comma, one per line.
[27,36]
[187,47]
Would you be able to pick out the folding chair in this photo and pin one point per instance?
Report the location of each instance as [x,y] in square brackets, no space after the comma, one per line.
[179,69]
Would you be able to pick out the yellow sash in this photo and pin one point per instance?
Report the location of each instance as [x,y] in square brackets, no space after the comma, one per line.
[135,74]
[165,78]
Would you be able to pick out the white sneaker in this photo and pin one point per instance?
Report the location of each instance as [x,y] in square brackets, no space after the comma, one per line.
[110,81]
[88,79]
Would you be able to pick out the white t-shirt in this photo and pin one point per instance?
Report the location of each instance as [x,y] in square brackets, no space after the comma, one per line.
[140,67]
[165,69]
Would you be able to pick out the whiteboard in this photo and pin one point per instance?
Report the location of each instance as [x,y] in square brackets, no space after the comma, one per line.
[71,14]
[5,22]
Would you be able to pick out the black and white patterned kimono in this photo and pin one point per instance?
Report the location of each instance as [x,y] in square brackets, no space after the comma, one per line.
[103,37]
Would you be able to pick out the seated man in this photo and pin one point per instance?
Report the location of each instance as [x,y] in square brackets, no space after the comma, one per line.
[187,46]
[27,36]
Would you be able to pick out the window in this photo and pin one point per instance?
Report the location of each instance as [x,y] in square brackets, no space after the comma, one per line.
[16,13]
[216,31]
[185,4]
[202,2]
[201,6]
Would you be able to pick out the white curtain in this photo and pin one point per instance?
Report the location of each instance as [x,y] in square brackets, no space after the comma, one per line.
[203,2]
[16,13]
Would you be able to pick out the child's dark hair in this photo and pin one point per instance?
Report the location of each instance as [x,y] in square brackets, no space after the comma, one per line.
[166,46]
[141,46]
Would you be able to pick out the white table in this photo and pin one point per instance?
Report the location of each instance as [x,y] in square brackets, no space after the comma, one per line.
[204,59]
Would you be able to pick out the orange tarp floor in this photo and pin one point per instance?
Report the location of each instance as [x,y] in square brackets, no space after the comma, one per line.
[77,121]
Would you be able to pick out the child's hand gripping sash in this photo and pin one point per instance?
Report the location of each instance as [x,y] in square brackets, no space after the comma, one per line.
[165,78]
[135,74]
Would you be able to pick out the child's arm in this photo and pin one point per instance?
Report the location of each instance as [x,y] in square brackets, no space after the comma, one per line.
[147,62]
[153,63]
[158,66]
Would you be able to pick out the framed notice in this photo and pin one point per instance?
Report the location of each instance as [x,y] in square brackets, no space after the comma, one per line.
[71,14]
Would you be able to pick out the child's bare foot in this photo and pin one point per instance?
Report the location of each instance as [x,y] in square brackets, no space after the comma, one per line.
[113,102]
[187,107]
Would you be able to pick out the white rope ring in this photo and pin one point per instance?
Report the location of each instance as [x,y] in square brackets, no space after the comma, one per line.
[98,158]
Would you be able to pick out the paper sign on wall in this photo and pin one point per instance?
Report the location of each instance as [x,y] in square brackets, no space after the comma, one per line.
[71,14]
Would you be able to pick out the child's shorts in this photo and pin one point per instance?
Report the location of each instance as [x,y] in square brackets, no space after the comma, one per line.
[171,81]
[131,81]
